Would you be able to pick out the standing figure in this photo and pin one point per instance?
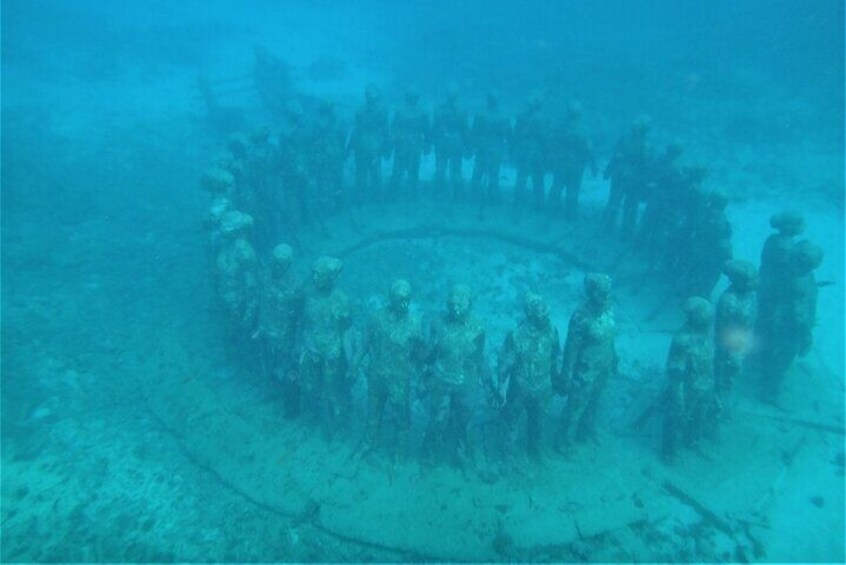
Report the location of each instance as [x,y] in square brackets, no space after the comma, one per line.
[326,157]
[775,262]
[528,147]
[572,153]
[690,374]
[527,366]
[369,142]
[709,244]
[665,203]
[489,136]
[628,172]
[590,358]
[449,137]
[324,376]
[733,329]
[456,365]
[792,321]
[279,313]
[410,138]
[394,353]
[237,274]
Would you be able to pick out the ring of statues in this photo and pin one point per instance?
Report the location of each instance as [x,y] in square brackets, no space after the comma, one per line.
[413,429]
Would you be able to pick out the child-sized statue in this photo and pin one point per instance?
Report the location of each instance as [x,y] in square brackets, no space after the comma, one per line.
[791,331]
[733,328]
[393,351]
[690,374]
[279,313]
[527,365]
[590,357]
[456,365]
[324,376]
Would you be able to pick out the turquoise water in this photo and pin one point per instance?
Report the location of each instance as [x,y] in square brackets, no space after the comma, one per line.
[138,426]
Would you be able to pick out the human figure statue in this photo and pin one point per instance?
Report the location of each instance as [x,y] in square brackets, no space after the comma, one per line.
[279,314]
[324,376]
[237,274]
[410,133]
[709,244]
[528,363]
[456,366]
[690,374]
[393,352]
[326,157]
[528,150]
[792,321]
[589,359]
[489,138]
[628,172]
[449,137]
[775,263]
[733,329]
[369,142]
[572,153]
[664,211]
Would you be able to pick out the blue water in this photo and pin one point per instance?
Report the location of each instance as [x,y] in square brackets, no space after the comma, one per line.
[137,425]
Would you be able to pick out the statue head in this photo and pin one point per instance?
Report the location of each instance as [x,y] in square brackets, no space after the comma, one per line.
[325,271]
[459,302]
[789,223]
[536,309]
[742,274]
[598,291]
[399,296]
[280,259]
[699,313]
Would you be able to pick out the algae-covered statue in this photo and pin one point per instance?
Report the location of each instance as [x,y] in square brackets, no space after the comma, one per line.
[237,272]
[449,138]
[775,264]
[410,132]
[589,359]
[324,376]
[393,353]
[790,333]
[369,143]
[456,366]
[628,172]
[572,153]
[528,150]
[733,328]
[326,156]
[279,313]
[527,366]
[488,139]
[690,374]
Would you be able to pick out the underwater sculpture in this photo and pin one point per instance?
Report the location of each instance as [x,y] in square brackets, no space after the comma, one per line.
[627,171]
[572,153]
[589,359]
[488,142]
[456,364]
[690,375]
[369,142]
[528,150]
[393,353]
[733,328]
[449,139]
[324,377]
[528,363]
[792,318]
[410,138]
[237,275]
[279,314]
